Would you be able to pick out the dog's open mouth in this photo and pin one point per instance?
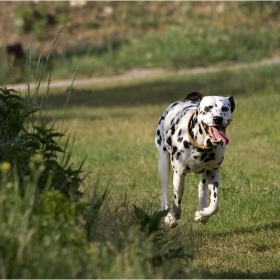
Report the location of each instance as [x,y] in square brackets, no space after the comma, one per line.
[217,134]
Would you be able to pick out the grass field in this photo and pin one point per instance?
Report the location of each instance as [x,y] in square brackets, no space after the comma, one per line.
[173,35]
[114,127]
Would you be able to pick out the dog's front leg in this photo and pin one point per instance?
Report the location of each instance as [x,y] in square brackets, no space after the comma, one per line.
[202,192]
[213,179]
[164,170]
[202,195]
[178,190]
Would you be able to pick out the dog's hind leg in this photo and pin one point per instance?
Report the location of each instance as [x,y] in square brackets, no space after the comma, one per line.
[164,170]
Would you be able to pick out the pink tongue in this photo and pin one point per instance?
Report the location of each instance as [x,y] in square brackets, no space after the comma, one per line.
[219,132]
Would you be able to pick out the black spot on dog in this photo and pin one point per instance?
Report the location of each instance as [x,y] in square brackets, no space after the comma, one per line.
[172,129]
[204,181]
[186,144]
[203,157]
[212,155]
[174,104]
[179,202]
[188,168]
[174,150]
[180,131]
[169,141]
[159,142]
[200,129]
[207,109]
[164,149]
[191,133]
[161,119]
[221,161]
[215,195]
[180,139]
[216,185]
[192,124]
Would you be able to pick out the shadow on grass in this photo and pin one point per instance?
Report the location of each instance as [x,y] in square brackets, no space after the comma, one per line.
[250,229]
[233,274]
[245,82]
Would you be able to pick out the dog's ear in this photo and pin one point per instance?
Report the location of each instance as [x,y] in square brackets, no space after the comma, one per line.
[232,103]
[194,96]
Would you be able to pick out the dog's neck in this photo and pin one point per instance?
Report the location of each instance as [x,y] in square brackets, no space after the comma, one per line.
[197,135]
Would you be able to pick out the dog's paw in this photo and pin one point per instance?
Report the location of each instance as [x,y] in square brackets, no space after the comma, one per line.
[198,217]
[205,221]
[177,213]
[170,220]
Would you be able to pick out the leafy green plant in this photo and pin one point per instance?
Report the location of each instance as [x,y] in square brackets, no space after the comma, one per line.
[19,144]
[32,230]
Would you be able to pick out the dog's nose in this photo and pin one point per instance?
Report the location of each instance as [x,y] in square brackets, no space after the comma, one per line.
[218,119]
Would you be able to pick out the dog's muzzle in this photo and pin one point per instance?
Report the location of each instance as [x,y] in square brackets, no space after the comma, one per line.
[216,133]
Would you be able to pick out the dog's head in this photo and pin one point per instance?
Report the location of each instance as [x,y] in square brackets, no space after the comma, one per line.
[214,113]
[213,116]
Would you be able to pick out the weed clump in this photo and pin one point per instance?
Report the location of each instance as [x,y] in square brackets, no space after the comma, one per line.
[19,145]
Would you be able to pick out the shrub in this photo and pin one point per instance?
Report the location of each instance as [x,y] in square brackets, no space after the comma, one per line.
[47,237]
[20,141]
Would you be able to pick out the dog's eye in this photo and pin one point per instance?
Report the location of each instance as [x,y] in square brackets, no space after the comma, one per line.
[225,109]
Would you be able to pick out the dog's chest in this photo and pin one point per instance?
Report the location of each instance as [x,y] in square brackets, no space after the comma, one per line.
[188,160]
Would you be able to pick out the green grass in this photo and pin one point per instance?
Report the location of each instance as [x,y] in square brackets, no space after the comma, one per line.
[114,126]
[178,47]
[174,35]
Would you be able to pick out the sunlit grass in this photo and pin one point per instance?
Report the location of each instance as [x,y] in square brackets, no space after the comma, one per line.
[114,126]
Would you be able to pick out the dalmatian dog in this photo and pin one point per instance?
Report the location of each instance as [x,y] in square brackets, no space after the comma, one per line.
[191,137]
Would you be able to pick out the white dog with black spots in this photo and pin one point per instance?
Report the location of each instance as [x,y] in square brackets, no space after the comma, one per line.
[191,137]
